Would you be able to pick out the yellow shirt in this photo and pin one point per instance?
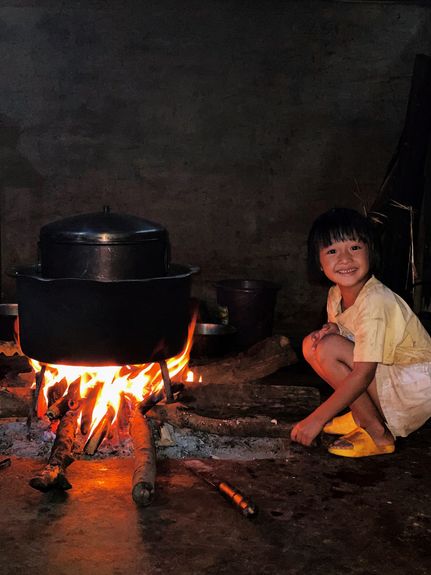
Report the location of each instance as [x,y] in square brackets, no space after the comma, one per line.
[382,325]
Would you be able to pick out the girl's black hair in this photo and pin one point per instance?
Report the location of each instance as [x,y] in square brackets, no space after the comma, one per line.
[339,224]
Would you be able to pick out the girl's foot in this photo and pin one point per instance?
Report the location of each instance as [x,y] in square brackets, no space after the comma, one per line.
[341,425]
[359,443]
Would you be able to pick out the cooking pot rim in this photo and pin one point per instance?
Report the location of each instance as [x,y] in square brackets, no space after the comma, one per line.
[174,271]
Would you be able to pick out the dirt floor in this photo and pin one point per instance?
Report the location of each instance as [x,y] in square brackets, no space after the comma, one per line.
[318,514]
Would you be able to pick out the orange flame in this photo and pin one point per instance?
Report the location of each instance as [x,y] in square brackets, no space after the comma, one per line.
[135,382]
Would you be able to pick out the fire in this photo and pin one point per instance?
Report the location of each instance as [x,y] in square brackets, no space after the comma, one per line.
[190,377]
[101,390]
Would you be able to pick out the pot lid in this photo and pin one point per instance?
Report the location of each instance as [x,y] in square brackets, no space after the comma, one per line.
[102,228]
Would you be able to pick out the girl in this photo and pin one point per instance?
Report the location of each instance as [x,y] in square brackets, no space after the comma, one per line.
[373,352]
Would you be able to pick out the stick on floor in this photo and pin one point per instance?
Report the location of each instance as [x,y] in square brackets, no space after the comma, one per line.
[53,474]
[144,476]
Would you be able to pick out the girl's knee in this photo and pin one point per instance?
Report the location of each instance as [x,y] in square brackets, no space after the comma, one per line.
[307,348]
[334,348]
[316,350]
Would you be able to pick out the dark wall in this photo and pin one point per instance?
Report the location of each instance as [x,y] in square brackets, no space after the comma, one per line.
[234,124]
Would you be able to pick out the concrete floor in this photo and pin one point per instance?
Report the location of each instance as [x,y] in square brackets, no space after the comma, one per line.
[319,514]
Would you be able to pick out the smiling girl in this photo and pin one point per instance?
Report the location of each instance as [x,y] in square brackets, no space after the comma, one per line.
[373,352]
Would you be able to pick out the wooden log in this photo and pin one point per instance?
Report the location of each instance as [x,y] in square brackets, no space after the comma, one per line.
[125,411]
[57,391]
[87,410]
[64,403]
[15,401]
[144,476]
[100,432]
[58,409]
[257,426]
[259,361]
[239,399]
[154,398]
[16,370]
[53,474]
[39,401]
[245,410]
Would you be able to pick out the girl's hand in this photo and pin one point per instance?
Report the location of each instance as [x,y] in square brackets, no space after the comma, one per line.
[307,430]
[326,329]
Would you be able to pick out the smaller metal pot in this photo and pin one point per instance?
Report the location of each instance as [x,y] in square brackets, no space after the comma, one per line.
[8,315]
[212,340]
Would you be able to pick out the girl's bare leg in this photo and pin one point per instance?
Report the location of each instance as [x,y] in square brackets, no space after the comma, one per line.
[332,360]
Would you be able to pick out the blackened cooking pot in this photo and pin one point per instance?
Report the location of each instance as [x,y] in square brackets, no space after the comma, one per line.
[103,246]
[84,322]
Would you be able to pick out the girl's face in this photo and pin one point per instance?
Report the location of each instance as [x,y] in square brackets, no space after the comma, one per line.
[346,263]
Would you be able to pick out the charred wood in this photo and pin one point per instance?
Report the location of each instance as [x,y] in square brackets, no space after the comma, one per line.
[58,408]
[154,398]
[70,401]
[258,426]
[100,432]
[57,391]
[87,410]
[144,475]
[125,411]
[73,393]
[244,410]
[38,407]
[53,475]
[166,381]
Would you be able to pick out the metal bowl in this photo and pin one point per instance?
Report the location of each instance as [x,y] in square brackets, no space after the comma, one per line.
[212,340]
[9,309]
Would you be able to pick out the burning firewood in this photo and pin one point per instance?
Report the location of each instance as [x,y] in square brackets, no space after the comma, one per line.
[53,475]
[57,391]
[154,398]
[58,409]
[87,410]
[100,432]
[35,392]
[125,411]
[144,476]
[69,401]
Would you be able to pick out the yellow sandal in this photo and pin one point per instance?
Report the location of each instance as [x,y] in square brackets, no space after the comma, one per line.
[358,443]
[341,425]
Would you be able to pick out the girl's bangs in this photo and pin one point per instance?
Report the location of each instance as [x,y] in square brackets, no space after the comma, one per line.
[329,236]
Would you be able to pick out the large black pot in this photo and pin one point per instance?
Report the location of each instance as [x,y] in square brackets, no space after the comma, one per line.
[84,322]
[103,246]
